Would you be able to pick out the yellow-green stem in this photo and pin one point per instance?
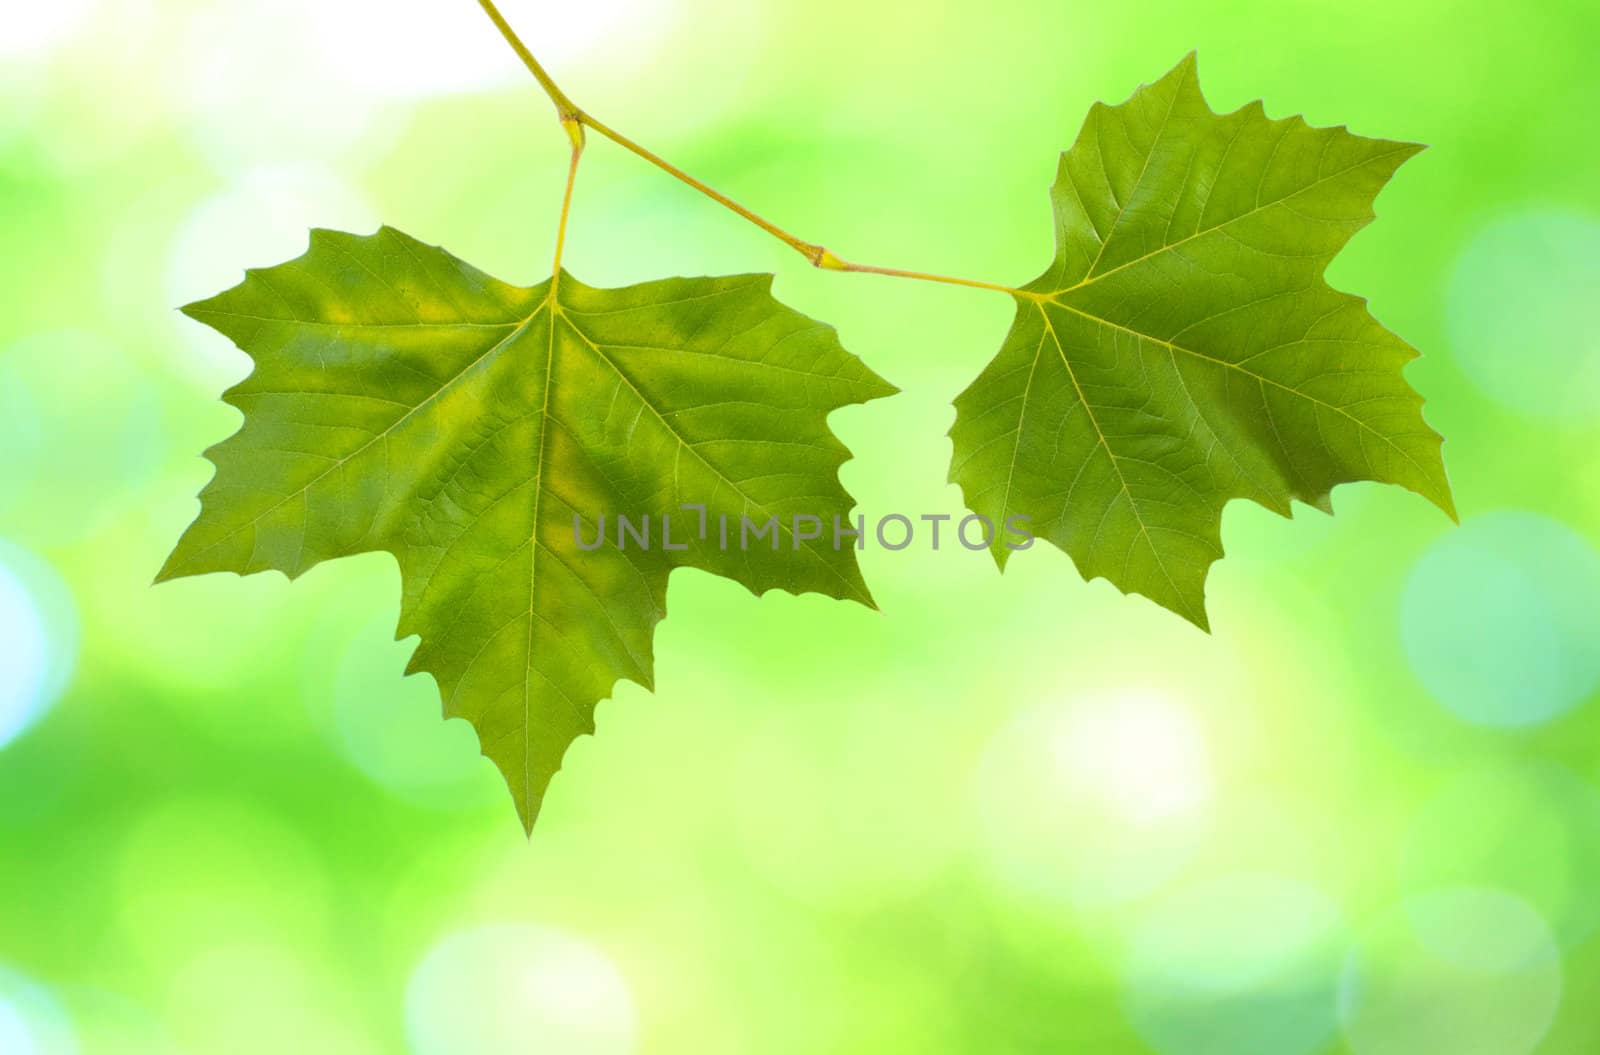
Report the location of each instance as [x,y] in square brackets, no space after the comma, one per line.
[564,106]
[574,119]
[566,211]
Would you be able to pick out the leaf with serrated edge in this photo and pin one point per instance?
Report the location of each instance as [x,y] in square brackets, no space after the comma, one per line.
[404,402]
[1183,349]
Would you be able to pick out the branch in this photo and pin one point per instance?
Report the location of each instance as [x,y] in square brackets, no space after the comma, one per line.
[575,119]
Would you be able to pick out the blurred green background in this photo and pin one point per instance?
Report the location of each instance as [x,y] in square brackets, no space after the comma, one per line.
[1008,814]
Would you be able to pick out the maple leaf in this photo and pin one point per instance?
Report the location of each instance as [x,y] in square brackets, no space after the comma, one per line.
[403,401]
[1183,349]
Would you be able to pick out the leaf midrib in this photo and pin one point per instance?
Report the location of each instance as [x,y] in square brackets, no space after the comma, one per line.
[533,541]
[1116,465]
[1260,378]
[338,464]
[516,328]
[684,444]
[1091,279]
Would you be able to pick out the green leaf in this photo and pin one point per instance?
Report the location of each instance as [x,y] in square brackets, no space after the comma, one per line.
[1183,349]
[403,401]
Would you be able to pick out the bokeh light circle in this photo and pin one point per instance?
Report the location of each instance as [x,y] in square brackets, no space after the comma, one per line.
[802,780]
[259,221]
[1531,829]
[34,31]
[1499,619]
[195,874]
[38,626]
[108,1022]
[229,88]
[1468,971]
[445,50]
[515,988]
[1246,963]
[1521,316]
[357,62]
[390,726]
[32,1020]
[262,998]
[1095,800]
[106,436]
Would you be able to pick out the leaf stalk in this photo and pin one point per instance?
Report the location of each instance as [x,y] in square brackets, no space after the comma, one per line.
[574,119]
[576,132]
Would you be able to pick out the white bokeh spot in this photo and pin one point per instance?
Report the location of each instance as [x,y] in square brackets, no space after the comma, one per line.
[32,1020]
[35,31]
[516,988]
[1095,800]
[389,726]
[1468,971]
[259,221]
[1244,963]
[1521,318]
[39,628]
[1499,622]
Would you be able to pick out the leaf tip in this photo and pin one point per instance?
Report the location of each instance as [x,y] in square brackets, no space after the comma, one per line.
[323,234]
[1194,614]
[1435,487]
[196,308]
[171,568]
[1189,608]
[317,237]
[1447,503]
[528,800]
[883,389]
